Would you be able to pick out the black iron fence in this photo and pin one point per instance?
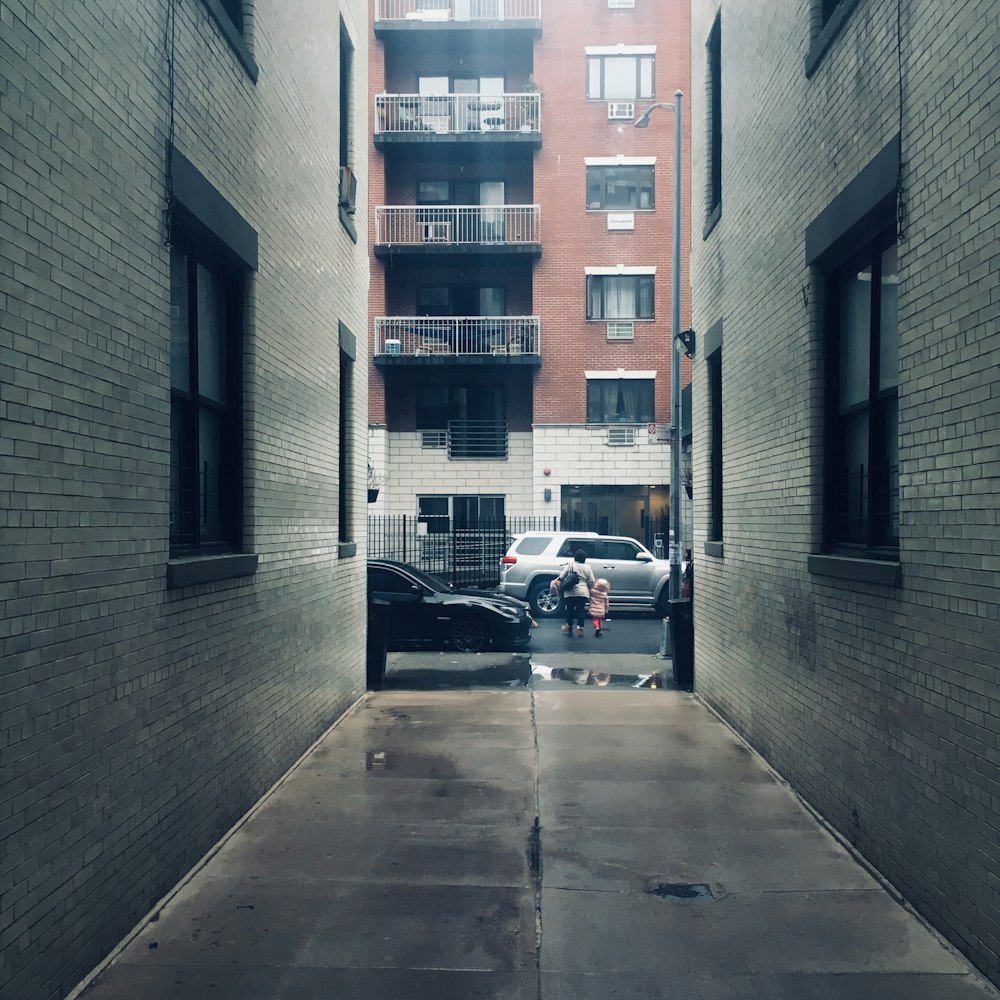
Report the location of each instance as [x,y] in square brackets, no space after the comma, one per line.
[469,556]
[464,556]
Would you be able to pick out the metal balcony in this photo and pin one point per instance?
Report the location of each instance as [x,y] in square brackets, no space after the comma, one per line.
[457,229]
[457,118]
[507,340]
[477,439]
[417,14]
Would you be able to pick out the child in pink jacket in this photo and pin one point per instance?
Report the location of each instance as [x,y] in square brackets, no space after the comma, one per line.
[599,604]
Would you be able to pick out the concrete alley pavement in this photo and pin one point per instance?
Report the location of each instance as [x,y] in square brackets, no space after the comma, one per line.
[523,844]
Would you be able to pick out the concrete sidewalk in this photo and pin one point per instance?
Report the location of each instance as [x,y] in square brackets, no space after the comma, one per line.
[566,844]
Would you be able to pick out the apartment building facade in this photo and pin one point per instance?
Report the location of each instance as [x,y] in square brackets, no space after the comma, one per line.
[521,260]
[183,316]
[846,424]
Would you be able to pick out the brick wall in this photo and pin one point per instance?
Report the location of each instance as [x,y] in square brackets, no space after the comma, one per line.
[138,723]
[575,128]
[877,702]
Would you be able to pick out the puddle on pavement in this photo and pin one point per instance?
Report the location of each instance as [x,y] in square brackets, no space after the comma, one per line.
[584,677]
[518,674]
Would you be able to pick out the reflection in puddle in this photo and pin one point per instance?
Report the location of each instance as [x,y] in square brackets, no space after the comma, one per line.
[585,677]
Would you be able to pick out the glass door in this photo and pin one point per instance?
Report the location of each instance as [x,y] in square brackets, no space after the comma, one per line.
[492,117]
[466,104]
[492,193]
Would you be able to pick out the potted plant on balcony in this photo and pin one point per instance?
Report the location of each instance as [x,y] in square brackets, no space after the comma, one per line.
[529,108]
[375,483]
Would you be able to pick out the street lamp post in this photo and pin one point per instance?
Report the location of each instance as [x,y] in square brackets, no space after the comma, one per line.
[675,361]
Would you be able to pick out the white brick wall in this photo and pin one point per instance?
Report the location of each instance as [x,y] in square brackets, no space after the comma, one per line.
[574,454]
[878,703]
[138,723]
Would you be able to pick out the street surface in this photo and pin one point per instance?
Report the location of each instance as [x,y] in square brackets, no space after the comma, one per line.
[625,656]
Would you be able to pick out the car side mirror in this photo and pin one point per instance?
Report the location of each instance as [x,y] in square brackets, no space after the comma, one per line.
[643,557]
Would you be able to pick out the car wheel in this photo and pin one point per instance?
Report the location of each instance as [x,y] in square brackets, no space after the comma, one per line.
[544,601]
[663,602]
[469,635]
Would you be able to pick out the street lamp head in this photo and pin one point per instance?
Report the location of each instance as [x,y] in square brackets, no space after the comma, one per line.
[643,120]
[685,342]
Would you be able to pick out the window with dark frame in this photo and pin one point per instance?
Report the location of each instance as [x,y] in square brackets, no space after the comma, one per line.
[438,405]
[715,446]
[715,115]
[346,94]
[234,10]
[619,296]
[345,448]
[620,78]
[206,475]
[862,478]
[620,400]
[827,7]
[624,187]
[467,512]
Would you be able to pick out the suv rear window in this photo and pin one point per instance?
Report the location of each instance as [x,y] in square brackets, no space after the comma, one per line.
[533,545]
[570,546]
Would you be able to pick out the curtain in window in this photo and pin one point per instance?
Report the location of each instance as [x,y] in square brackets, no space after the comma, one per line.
[619,401]
[619,297]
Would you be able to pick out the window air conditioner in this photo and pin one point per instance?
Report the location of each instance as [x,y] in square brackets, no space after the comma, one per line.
[619,437]
[436,232]
[434,439]
[621,110]
[621,331]
[621,4]
[348,189]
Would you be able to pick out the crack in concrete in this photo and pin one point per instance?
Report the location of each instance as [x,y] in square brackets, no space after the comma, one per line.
[535,854]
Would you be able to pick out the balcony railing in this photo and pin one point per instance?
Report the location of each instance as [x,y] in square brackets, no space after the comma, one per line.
[397,225]
[458,10]
[456,336]
[477,439]
[452,114]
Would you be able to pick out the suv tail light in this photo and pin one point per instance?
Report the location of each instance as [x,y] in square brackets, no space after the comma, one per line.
[508,560]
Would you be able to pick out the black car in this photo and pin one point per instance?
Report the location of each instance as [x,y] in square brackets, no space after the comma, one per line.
[428,613]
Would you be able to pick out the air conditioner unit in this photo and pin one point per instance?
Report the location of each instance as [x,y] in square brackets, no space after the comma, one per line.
[434,439]
[348,189]
[621,331]
[621,4]
[621,110]
[621,437]
[436,232]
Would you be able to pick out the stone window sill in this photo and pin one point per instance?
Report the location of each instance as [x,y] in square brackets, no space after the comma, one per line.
[888,574]
[712,220]
[208,569]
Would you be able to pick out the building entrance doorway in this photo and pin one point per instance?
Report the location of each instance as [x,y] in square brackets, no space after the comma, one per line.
[641,512]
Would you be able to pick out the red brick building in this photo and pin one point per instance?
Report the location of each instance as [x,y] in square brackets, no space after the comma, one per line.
[521,259]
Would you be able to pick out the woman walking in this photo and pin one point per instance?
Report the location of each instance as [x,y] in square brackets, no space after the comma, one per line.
[575,597]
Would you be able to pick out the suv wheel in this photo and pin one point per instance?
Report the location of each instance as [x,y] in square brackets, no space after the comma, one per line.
[544,601]
[663,601]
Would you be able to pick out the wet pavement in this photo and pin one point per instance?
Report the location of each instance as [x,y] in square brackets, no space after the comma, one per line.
[523,843]
[627,655]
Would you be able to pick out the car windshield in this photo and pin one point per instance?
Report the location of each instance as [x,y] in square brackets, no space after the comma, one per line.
[429,580]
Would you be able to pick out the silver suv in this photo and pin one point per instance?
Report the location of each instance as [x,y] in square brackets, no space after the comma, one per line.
[638,579]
